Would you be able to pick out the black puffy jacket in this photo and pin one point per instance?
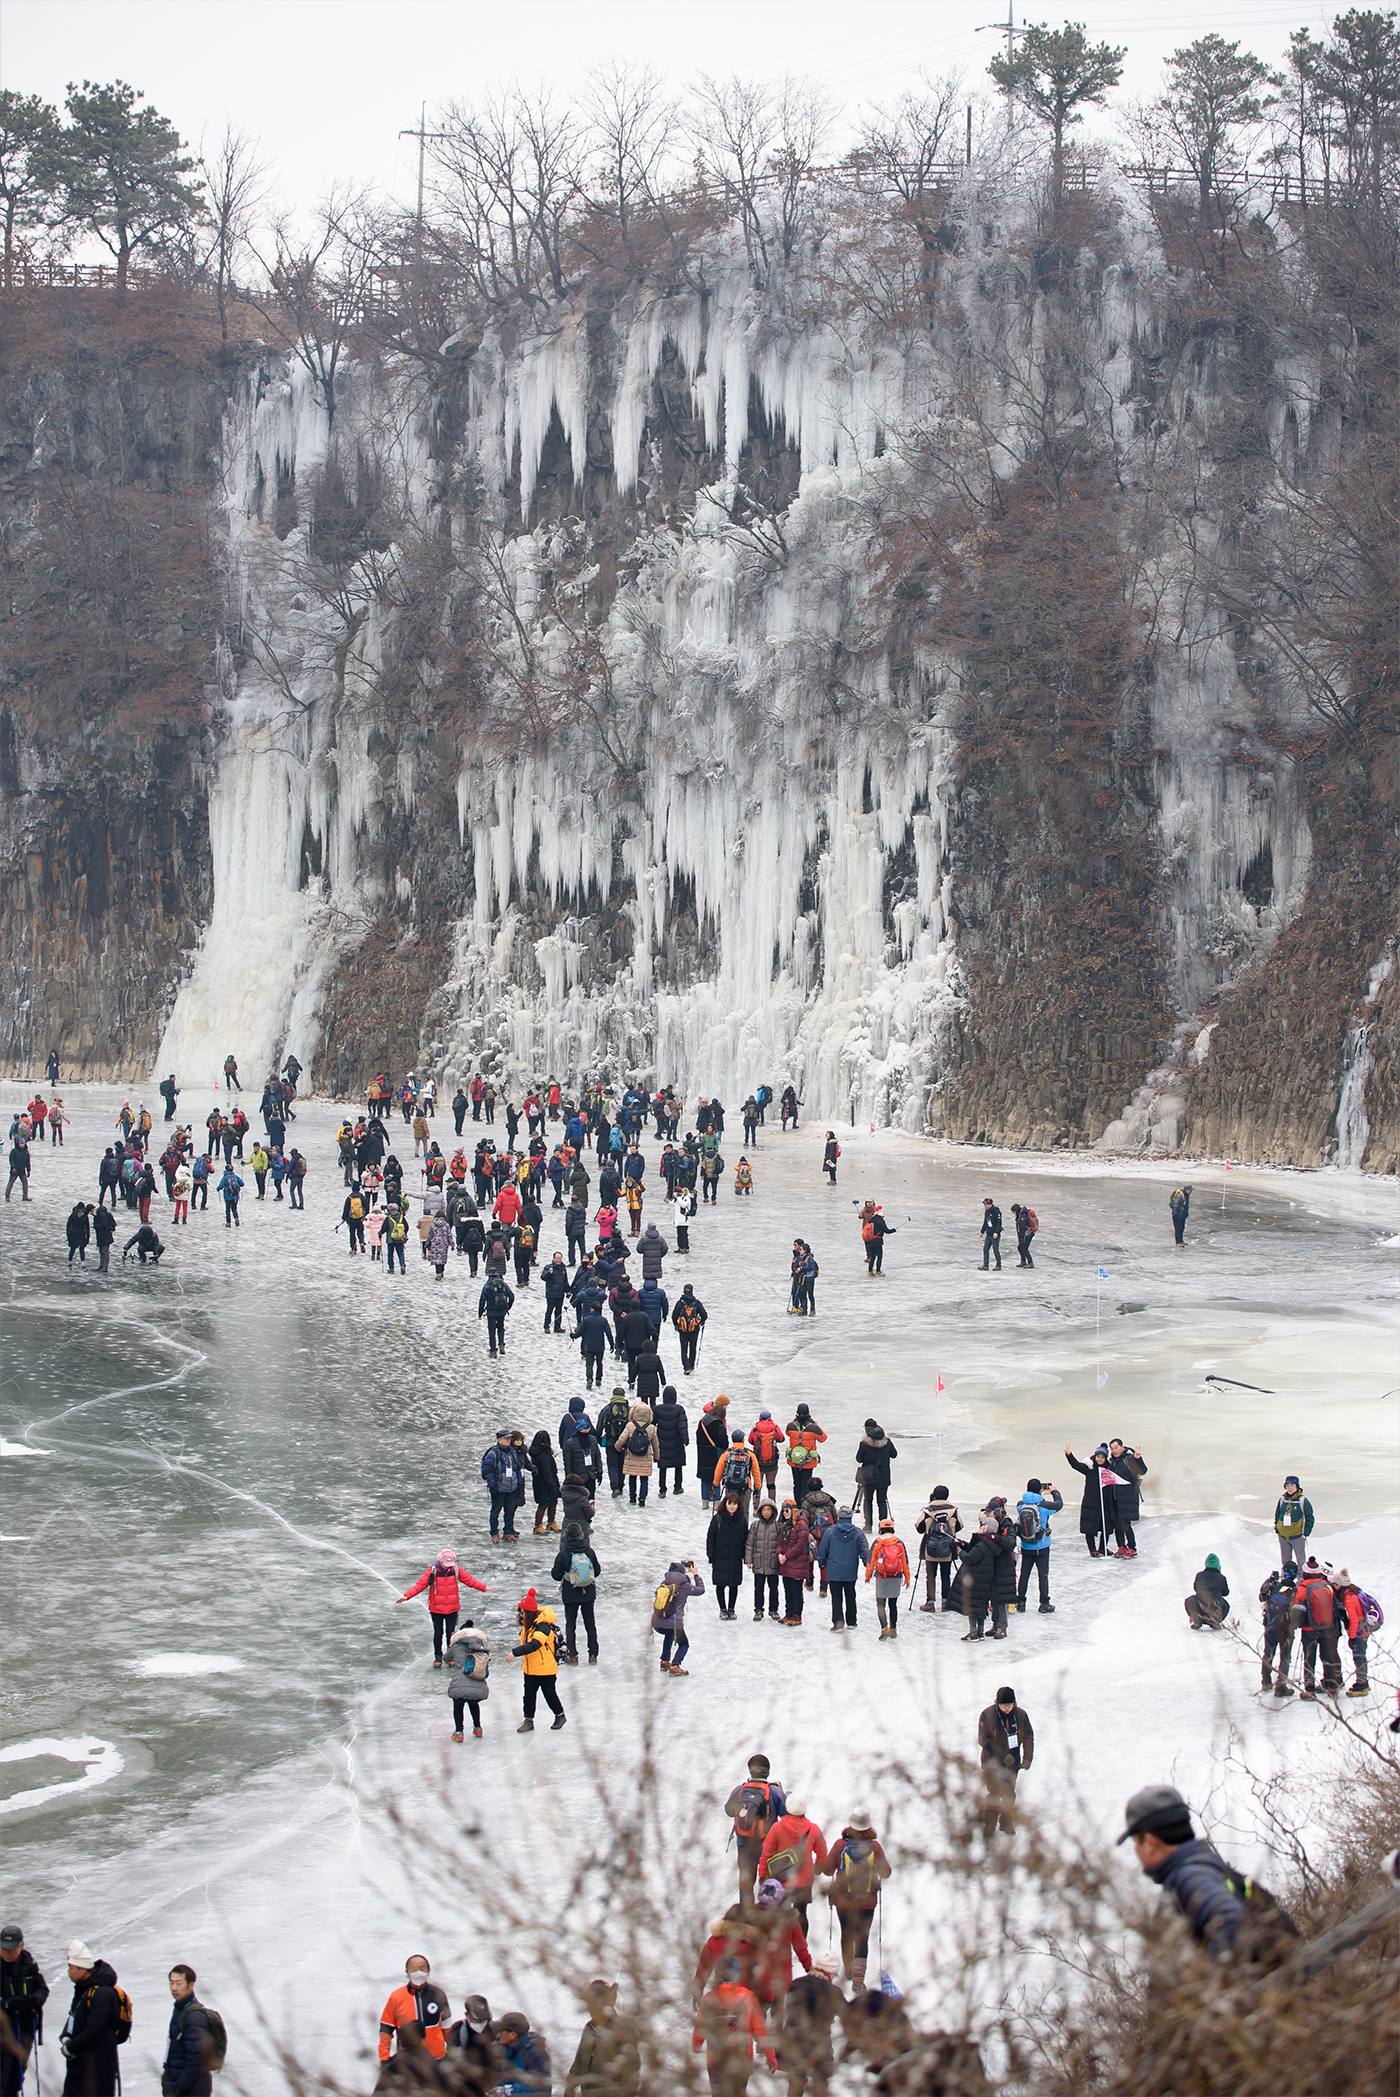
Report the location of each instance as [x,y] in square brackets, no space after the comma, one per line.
[672,1431]
[91,2035]
[583,1458]
[978,1572]
[1004,1573]
[876,1453]
[725,1545]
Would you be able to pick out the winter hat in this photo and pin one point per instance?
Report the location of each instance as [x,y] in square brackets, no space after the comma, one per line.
[1342,1579]
[872,1427]
[1290,1480]
[529,1603]
[513,2020]
[721,1400]
[767,1505]
[1212,1563]
[765,1416]
[804,1412]
[1006,1695]
[1102,1449]
[1312,1567]
[1032,1485]
[770,1893]
[843,1514]
[859,1822]
[79,1955]
[585,1425]
[797,1805]
[759,1765]
[573,1533]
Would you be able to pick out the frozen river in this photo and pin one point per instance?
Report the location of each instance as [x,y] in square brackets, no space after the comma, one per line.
[218,1475]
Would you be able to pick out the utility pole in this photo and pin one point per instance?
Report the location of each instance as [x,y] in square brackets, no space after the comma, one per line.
[422,134]
[1008,29]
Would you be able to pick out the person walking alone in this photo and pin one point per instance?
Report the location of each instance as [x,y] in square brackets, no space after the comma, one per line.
[991,1232]
[541,1669]
[1007,1741]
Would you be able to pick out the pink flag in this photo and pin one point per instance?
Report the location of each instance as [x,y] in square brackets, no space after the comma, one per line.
[940,1383]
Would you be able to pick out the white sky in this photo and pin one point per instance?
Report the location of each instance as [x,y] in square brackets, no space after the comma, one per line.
[325,85]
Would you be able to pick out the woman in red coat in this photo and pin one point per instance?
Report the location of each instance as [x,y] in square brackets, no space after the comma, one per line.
[444,1580]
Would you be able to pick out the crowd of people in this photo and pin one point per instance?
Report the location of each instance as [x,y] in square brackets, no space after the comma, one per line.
[758,1992]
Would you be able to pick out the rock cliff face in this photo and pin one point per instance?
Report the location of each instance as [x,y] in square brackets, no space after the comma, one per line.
[643,689]
[109,453]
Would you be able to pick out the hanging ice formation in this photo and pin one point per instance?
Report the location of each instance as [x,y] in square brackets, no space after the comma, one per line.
[755,887]
[1353,1124]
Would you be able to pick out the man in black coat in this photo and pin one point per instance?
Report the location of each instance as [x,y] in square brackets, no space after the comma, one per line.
[23,1993]
[186,2072]
[104,1229]
[711,1441]
[1127,1505]
[1007,1741]
[89,2038]
[873,1459]
[1004,1570]
[672,1437]
[649,1373]
[637,1334]
[991,1232]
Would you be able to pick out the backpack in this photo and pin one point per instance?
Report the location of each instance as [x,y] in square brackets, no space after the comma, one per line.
[357,1208]
[736,1472]
[859,1880]
[1030,1525]
[1373,1614]
[889,1557]
[867,1229]
[124,2014]
[561,1648]
[398,1229]
[580,1573]
[1032,1222]
[752,1810]
[665,1598]
[1268,1933]
[1319,1593]
[638,1442]
[526,1237]
[496,1297]
[477,1665]
[217,2051]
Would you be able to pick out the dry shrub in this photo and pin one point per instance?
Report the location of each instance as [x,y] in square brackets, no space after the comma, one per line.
[1042,1965]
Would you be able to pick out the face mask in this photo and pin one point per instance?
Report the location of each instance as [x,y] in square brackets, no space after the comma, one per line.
[416,1980]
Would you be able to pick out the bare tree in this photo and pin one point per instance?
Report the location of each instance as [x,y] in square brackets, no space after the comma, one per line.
[318,289]
[907,147]
[629,144]
[510,179]
[735,126]
[235,188]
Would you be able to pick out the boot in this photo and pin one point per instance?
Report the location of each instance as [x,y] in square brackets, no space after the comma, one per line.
[1281,1688]
[928,1608]
[559,1722]
[1047,1609]
[527,1727]
[1359,1689]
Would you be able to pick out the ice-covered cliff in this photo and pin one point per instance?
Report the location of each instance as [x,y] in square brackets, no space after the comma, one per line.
[665,683]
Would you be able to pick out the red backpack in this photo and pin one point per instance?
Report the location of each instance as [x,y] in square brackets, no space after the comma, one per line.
[889,1559]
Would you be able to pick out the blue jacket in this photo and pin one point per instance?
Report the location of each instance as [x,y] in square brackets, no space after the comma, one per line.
[844,1550]
[1049,1504]
[1194,1874]
[503,1470]
[497,1282]
[568,1426]
[526,2066]
[230,1186]
[185,2072]
[594,1331]
[654,1303]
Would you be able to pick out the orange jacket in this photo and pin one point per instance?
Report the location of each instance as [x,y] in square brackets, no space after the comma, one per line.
[755,1475]
[765,1438]
[773,1963]
[426,2006]
[792,1831]
[729,2022]
[893,1560]
[802,1445]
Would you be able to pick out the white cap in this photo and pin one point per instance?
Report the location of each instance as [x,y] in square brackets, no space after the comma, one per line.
[79,1955]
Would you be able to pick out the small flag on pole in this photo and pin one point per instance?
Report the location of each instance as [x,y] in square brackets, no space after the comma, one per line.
[1103,1274]
[939,1383]
[1102,1378]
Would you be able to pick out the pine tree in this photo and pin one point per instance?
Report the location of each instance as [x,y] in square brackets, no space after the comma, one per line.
[122,170]
[1055,71]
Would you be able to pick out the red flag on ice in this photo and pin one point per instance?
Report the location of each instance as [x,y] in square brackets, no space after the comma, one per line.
[940,1383]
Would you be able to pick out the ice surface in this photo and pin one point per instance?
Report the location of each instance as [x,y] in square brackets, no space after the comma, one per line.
[258,1445]
[186,1664]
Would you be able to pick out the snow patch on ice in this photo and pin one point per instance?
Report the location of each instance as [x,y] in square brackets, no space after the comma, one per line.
[21,1449]
[161,1664]
[103,1761]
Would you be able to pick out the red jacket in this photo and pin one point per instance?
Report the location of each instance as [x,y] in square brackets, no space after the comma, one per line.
[508,1205]
[730,2020]
[773,1965]
[444,1595]
[794,1832]
[765,1437]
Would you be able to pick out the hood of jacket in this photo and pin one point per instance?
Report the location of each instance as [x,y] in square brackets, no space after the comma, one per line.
[640,1415]
[101,1976]
[877,1439]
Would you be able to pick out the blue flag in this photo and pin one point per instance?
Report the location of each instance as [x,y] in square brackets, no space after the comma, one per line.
[1103,1274]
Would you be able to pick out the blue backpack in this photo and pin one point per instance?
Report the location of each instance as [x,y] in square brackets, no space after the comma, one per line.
[580,1573]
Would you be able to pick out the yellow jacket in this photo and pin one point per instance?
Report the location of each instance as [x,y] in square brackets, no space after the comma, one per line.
[537,1645]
